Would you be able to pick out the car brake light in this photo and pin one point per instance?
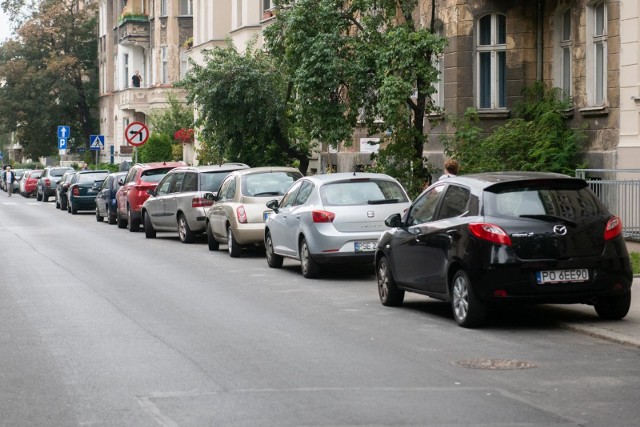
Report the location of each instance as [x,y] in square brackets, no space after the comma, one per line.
[490,232]
[242,214]
[200,202]
[76,191]
[322,216]
[613,228]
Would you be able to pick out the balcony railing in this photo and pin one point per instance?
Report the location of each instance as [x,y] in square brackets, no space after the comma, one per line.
[134,29]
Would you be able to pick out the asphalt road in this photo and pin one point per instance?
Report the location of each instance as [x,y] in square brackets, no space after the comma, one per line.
[102,327]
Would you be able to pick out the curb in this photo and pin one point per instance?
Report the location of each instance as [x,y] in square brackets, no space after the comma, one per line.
[603,334]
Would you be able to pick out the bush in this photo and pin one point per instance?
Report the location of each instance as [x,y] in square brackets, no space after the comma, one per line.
[635,262]
[158,148]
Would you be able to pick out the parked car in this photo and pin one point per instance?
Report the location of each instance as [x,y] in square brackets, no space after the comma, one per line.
[333,218]
[29,182]
[19,173]
[133,191]
[486,239]
[179,202]
[46,186]
[106,198]
[61,189]
[83,190]
[237,218]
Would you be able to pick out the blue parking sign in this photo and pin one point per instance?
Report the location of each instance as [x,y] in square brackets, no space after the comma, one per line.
[62,143]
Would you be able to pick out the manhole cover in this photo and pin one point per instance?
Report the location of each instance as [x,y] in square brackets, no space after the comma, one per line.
[495,364]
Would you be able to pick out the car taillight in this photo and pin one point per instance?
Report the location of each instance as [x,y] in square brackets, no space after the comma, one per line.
[76,191]
[613,228]
[322,216]
[241,214]
[200,202]
[490,232]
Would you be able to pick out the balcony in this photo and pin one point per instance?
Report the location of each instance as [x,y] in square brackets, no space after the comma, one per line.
[145,100]
[134,29]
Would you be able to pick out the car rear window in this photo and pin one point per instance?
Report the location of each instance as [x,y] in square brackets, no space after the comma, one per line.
[571,202]
[210,181]
[362,192]
[58,171]
[154,175]
[268,183]
[91,177]
[37,174]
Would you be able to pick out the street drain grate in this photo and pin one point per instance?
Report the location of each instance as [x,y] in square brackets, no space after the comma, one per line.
[495,364]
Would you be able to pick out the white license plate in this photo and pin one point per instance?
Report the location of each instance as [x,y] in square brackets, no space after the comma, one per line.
[366,246]
[563,276]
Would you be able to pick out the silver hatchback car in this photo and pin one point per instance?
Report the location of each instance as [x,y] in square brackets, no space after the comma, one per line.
[179,202]
[333,218]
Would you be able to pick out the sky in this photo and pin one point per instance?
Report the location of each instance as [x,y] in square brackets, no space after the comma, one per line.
[5,29]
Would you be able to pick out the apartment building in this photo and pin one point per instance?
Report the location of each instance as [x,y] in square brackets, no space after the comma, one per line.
[149,38]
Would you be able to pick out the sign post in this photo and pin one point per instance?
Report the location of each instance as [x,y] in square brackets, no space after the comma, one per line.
[64,132]
[96,143]
[136,134]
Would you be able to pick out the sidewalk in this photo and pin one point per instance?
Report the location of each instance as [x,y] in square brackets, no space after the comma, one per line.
[583,319]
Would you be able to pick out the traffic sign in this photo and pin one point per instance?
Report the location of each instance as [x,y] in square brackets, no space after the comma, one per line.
[62,143]
[64,132]
[136,134]
[96,142]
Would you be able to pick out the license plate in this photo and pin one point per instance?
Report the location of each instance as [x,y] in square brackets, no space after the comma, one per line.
[265,215]
[562,276]
[366,246]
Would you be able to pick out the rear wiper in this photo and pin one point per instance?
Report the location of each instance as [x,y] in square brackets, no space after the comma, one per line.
[549,218]
[382,201]
[267,193]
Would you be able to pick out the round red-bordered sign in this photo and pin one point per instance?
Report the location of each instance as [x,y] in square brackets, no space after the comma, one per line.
[136,133]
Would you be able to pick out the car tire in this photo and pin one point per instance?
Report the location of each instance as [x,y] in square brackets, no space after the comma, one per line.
[468,311]
[614,307]
[122,223]
[73,210]
[184,232]
[38,197]
[389,293]
[134,225]
[273,260]
[211,241]
[149,231]
[63,203]
[57,203]
[310,268]
[99,218]
[234,248]
[112,219]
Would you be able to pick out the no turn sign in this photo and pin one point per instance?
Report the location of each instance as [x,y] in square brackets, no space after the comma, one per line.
[136,134]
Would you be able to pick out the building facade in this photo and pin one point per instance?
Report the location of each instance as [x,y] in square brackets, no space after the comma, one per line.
[146,38]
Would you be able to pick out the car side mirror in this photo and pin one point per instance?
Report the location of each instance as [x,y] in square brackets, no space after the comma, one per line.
[393,221]
[121,182]
[273,204]
[210,196]
[151,192]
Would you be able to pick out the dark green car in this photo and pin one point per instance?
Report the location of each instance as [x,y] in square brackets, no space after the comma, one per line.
[83,190]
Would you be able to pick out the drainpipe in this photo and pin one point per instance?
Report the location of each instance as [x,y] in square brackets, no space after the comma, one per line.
[539,45]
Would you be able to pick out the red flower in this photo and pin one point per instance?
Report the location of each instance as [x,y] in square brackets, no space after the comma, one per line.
[184,135]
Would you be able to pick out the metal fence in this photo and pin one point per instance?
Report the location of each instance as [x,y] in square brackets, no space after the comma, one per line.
[619,189]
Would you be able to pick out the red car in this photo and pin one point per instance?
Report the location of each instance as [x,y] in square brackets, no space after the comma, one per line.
[141,178]
[29,182]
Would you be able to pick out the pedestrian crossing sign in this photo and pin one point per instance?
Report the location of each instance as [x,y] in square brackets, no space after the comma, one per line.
[96,142]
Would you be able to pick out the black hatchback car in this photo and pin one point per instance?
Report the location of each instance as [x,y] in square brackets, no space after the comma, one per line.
[484,239]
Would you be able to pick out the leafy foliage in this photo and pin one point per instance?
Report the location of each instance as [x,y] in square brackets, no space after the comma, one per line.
[536,139]
[49,74]
[242,109]
[171,120]
[360,63]
[158,148]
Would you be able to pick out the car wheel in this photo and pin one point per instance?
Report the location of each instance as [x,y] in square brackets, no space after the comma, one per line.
[184,232]
[38,197]
[63,204]
[310,268]
[613,307]
[468,311]
[112,219]
[57,203]
[134,224]
[273,260]
[149,231]
[99,218]
[122,223]
[390,294]
[73,210]
[211,241]
[233,246]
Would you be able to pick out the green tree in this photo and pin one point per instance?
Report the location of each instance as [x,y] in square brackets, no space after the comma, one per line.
[242,110]
[49,74]
[537,138]
[170,120]
[158,148]
[360,63]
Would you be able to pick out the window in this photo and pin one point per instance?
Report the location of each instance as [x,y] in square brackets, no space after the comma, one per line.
[492,61]
[454,203]
[184,64]
[288,198]
[163,7]
[437,98]
[165,65]
[239,13]
[597,53]
[190,182]
[304,193]
[164,185]
[563,59]
[186,7]
[126,70]
[267,5]
[176,184]
[424,208]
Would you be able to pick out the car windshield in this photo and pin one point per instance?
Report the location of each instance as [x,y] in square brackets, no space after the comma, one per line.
[91,177]
[362,192]
[36,174]
[268,183]
[548,202]
[154,175]
[210,181]
[58,171]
